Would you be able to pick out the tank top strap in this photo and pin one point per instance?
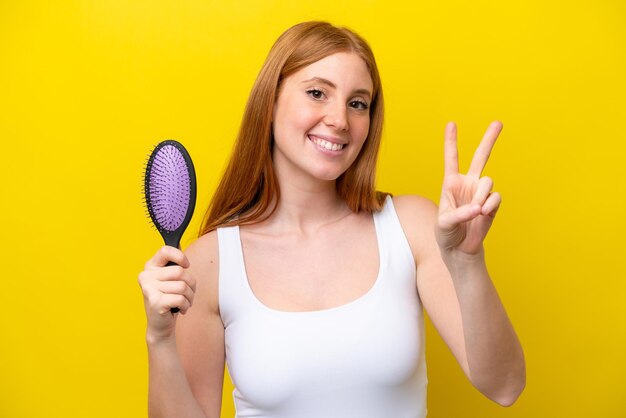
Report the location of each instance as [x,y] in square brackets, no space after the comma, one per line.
[232,275]
[393,241]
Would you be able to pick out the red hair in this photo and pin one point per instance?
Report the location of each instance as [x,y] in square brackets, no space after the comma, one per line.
[249,185]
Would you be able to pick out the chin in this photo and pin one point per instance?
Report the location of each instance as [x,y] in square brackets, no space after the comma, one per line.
[328,174]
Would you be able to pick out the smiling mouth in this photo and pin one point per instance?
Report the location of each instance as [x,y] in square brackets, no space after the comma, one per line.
[330,146]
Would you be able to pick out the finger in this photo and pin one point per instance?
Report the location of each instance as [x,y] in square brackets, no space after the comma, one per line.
[166,254]
[492,204]
[169,301]
[485,185]
[163,296]
[450,152]
[177,288]
[484,149]
[174,273]
[450,219]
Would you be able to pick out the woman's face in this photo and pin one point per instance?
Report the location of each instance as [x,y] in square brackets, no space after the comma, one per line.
[321,117]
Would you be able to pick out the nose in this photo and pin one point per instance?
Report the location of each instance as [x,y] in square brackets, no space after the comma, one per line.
[337,116]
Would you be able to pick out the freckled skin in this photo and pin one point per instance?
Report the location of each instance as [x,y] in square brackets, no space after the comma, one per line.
[337,112]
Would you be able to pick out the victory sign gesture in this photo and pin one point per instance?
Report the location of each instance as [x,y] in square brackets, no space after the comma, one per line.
[468,205]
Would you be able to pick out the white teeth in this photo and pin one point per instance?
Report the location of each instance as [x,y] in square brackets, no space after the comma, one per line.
[326,144]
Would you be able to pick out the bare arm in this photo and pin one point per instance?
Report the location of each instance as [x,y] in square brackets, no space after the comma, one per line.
[465,309]
[185,350]
[452,277]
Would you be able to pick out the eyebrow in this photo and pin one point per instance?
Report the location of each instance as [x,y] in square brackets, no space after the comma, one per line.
[332,85]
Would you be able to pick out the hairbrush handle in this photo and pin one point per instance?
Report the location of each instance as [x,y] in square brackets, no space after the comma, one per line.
[173,240]
[171,263]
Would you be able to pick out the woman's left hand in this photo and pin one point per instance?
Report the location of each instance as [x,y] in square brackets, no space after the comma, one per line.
[468,205]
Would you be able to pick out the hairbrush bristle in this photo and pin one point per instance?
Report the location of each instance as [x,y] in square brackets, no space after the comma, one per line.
[167,187]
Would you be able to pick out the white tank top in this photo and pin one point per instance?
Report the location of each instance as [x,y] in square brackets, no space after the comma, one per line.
[364,359]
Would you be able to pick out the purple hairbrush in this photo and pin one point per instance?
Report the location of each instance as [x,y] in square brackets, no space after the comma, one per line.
[170,191]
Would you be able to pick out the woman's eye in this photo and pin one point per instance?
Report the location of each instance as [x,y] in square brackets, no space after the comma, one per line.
[315,93]
[359,104]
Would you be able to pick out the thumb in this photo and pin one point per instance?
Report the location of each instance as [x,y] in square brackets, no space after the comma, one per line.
[450,219]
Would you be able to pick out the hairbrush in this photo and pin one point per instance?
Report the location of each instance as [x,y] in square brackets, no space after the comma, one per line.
[170,191]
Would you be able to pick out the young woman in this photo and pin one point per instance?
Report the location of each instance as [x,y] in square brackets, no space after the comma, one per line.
[309,283]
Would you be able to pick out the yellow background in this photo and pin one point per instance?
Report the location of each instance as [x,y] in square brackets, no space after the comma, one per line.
[87,87]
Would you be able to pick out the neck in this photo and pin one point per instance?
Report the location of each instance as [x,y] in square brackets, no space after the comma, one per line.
[306,204]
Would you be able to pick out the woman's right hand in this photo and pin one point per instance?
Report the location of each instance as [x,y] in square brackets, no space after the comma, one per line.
[166,287]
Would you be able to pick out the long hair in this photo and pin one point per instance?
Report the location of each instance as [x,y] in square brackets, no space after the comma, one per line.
[249,185]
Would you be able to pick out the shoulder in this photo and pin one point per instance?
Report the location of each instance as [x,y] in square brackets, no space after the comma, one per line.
[417,216]
[204,249]
[203,256]
[412,205]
